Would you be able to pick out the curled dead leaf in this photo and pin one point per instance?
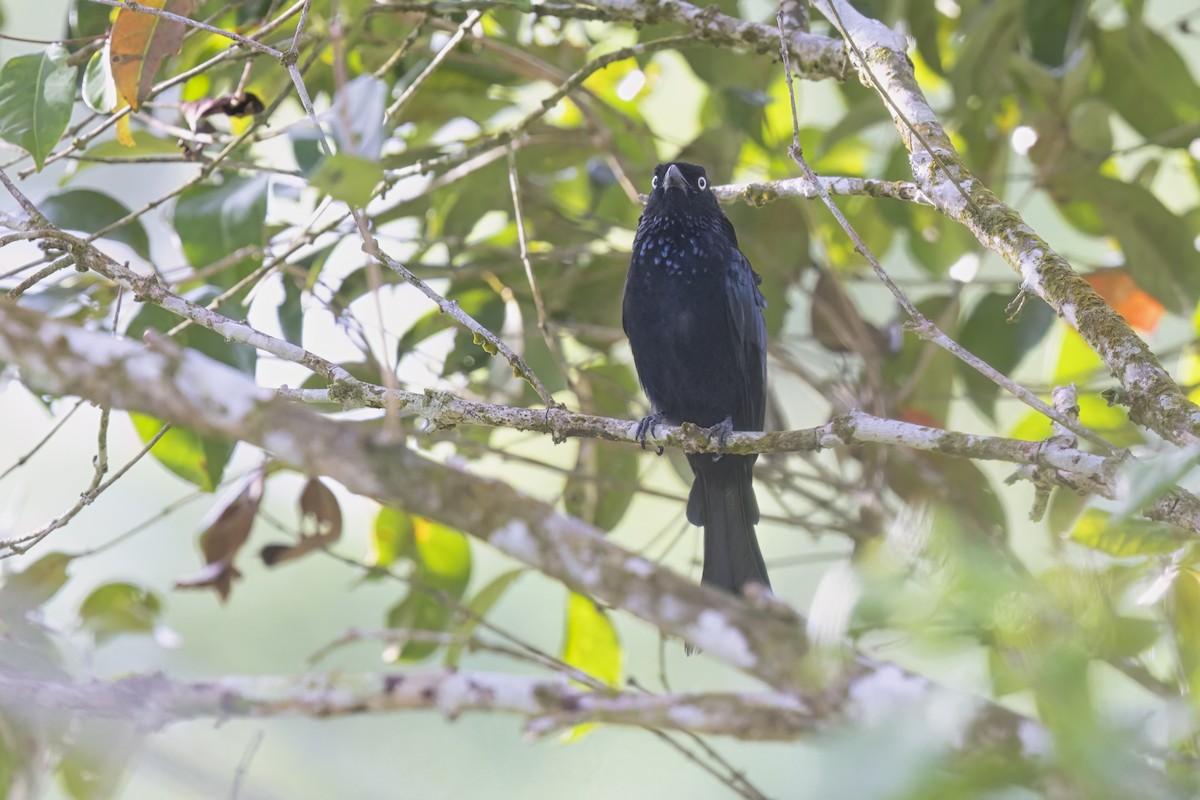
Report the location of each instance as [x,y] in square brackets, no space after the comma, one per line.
[222,540]
[322,521]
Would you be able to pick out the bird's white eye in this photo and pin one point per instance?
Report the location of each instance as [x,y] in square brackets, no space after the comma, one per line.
[702,183]
[654,182]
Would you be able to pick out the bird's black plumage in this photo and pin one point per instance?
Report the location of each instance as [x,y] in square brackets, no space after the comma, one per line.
[693,315]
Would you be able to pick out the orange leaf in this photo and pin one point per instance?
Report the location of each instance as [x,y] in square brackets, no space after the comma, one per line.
[1139,309]
[917,416]
[139,44]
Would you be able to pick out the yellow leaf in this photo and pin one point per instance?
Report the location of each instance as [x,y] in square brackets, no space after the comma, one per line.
[124,134]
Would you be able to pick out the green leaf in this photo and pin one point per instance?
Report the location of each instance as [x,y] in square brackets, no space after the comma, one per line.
[88,211]
[590,641]
[94,765]
[198,460]
[590,644]
[116,608]
[979,71]
[1089,127]
[26,590]
[214,221]
[87,20]
[37,93]
[99,90]
[391,537]
[477,608]
[306,146]
[441,559]
[924,21]
[443,556]
[1147,82]
[601,487]
[1050,28]
[1133,537]
[987,334]
[1159,246]
[10,761]
[290,312]
[1149,478]
[1006,678]
[935,242]
[1185,597]
[145,144]
[351,179]
[418,612]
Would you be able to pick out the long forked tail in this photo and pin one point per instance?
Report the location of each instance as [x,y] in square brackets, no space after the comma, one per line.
[723,501]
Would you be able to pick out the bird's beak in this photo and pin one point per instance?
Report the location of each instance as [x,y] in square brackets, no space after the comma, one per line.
[674,179]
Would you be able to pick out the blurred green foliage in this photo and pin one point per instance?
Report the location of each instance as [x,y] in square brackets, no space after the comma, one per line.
[1087,108]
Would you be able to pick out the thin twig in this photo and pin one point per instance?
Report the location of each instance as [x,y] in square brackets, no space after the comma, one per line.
[244,765]
[520,368]
[543,323]
[392,117]
[20,462]
[22,544]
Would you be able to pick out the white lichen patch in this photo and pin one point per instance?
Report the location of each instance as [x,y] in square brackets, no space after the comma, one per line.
[949,716]
[145,368]
[100,350]
[687,717]
[283,445]
[516,539]
[640,567]
[453,694]
[881,694]
[947,194]
[1035,740]
[230,394]
[713,634]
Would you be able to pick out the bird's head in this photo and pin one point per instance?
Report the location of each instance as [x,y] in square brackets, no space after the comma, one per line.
[680,188]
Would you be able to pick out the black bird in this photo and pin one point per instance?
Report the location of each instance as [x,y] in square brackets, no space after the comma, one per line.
[693,315]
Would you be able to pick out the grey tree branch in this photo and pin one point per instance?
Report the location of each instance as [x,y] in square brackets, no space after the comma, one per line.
[817,57]
[1071,466]
[217,400]
[1155,400]
[760,636]
[756,193]
[154,701]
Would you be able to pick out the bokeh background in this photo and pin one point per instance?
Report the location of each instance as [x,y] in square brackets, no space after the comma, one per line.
[276,619]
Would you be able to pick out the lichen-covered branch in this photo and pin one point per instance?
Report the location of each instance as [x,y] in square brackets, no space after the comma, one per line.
[758,635]
[816,57]
[154,701]
[1155,400]
[756,193]
[214,399]
[443,409]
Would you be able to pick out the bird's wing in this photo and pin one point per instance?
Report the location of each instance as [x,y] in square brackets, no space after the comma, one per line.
[744,305]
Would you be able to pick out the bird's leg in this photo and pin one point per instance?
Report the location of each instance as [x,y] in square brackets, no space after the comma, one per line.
[647,426]
[721,430]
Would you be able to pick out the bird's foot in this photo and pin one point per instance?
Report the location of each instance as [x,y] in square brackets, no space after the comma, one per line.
[721,430]
[647,427]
